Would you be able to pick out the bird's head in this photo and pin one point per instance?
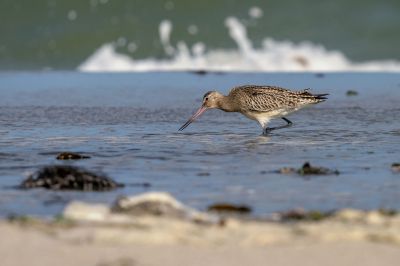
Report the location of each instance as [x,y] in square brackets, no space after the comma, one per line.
[210,100]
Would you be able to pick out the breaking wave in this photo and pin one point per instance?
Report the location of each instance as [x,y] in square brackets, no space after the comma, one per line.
[273,55]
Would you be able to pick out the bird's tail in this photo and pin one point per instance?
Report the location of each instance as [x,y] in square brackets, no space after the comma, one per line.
[321,96]
[313,98]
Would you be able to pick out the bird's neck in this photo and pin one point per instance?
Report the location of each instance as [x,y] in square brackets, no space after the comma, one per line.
[225,104]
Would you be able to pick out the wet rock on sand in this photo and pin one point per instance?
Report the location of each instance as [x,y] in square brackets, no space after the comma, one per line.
[308,169]
[302,215]
[71,156]
[227,208]
[62,177]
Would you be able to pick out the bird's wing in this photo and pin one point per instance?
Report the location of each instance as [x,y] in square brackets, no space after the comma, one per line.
[265,98]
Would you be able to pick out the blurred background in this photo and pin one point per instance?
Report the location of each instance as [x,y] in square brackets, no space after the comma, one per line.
[112,35]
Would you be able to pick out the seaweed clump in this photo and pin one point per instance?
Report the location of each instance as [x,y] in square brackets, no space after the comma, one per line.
[63,177]
[229,208]
[71,156]
[308,169]
[303,215]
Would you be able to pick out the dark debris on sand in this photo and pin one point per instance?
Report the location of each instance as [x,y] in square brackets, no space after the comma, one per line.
[308,169]
[63,177]
[71,156]
[229,208]
[303,215]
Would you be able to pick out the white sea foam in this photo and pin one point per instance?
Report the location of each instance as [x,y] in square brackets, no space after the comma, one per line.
[273,55]
[255,12]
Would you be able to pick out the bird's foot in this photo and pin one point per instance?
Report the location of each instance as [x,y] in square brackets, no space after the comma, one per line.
[267,131]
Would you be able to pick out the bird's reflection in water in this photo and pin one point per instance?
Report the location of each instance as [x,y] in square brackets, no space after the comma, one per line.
[257,141]
[245,142]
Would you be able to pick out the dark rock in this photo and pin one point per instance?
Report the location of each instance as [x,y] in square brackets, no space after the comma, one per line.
[351,93]
[388,212]
[63,177]
[229,208]
[307,169]
[396,167]
[302,215]
[71,156]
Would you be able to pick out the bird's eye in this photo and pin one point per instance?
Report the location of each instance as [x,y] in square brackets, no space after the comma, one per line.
[206,98]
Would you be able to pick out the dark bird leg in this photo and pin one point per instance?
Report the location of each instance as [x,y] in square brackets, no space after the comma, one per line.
[289,123]
[269,129]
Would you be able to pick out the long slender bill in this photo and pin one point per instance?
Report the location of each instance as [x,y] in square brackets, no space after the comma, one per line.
[196,115]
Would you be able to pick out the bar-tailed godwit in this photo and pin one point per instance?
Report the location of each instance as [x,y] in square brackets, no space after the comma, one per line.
[260,103]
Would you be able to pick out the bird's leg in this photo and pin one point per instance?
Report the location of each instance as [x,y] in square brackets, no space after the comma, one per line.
[289,123]
[266,131]
[269,129]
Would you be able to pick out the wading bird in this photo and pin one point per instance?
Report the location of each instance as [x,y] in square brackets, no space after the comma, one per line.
[260,103]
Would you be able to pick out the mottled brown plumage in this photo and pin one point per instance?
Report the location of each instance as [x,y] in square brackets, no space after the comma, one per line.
[260,103]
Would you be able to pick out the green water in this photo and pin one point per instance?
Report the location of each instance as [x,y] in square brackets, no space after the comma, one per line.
[61,34]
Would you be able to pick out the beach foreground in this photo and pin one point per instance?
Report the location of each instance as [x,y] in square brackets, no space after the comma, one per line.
[95,234]
[29,246]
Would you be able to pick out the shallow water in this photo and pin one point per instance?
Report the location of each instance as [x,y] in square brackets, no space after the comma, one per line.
[128,124]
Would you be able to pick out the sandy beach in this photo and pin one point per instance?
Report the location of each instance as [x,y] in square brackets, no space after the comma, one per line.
[28,246]
[95,234]
[34,247]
